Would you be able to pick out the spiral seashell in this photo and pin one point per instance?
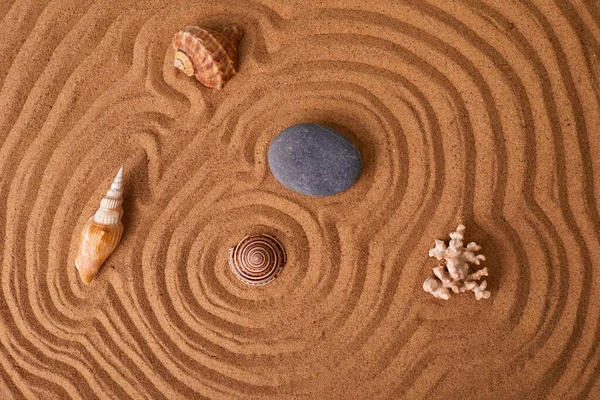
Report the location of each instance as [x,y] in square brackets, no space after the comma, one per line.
[210,55]
[257,259]
[102,233]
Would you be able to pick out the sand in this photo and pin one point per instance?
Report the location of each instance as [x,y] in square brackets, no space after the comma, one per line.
[482,113]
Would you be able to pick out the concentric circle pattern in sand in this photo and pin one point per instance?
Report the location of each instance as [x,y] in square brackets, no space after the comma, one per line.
[485,113]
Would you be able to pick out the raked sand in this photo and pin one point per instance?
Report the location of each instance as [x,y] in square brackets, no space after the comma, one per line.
[482,113]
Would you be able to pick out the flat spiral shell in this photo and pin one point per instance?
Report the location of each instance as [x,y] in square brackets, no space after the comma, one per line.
[257,259]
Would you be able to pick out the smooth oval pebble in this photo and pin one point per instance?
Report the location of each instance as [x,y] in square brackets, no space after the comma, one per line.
[315,160]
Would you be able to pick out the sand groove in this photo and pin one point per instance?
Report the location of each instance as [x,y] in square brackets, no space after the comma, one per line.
[479,112]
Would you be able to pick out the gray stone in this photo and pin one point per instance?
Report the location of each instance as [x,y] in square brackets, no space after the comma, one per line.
[315,160]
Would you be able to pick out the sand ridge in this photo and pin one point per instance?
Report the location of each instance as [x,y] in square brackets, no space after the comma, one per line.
[467,112]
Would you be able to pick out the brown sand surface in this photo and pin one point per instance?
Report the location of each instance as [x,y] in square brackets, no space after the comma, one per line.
[480,112]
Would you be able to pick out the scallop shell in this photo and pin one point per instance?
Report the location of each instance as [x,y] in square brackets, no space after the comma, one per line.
[257,259]
[102,233]
[210,55]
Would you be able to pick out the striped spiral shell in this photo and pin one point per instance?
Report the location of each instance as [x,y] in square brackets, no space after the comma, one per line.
[208,54]
[257,259]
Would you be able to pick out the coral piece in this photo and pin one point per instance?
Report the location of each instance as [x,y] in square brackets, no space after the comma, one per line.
[453,272]
[210,55]
[102,233]
[257,259]
[436,288]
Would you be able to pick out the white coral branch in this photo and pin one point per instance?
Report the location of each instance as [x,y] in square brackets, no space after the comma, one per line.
[439,250]
[479,290]
[433,286]
[453,271]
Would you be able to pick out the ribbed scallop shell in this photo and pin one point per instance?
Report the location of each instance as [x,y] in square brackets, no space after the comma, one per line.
[257,259]
[210,55]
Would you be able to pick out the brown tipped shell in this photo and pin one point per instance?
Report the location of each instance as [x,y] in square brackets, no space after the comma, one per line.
[102,233]
[257,259]
[208,54]
[98,241]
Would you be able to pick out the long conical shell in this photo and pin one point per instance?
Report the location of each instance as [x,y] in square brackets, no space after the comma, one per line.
[102,233]
[257,259]
[210,55]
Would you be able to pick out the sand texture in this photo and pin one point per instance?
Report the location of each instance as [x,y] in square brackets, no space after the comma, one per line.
[485,113]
